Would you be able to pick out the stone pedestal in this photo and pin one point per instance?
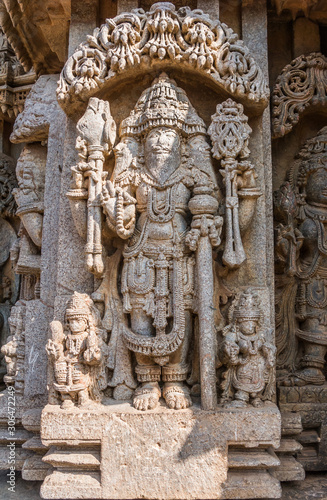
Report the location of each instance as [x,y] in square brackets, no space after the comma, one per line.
[115,452]
[311,403]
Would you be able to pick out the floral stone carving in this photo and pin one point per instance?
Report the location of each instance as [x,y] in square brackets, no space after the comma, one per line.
[144,39]
[248,356]
[300,85]
[162,200]
[301,212]
[77,352]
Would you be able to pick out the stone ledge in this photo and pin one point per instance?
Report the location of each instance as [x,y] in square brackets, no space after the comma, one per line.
[187,450]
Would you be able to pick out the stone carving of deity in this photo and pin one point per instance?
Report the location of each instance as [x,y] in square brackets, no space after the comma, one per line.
[302,257]
[148,204]
[162,201]
[77,353]
[247,354]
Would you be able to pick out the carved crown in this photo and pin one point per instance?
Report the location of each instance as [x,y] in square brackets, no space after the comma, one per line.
[247,306]
[78,306]
[313,155]
[163,105]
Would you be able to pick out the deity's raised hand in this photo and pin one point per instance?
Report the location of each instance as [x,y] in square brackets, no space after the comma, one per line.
[97,127]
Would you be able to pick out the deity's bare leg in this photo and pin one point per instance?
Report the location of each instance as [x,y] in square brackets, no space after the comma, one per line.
[241,399]
[83,397]
[174,374]
[147,395]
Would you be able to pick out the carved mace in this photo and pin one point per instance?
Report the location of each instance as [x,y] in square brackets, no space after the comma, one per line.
[229,132]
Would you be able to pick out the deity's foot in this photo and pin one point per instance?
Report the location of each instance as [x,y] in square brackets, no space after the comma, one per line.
[146,397]
[177,395]
[67,404]
[83,399]
[257,402]
[237,403]
[307,376]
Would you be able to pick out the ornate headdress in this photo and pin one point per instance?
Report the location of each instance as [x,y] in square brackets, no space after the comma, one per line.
[313,155]
[78,306]
[247,306]
[163,105]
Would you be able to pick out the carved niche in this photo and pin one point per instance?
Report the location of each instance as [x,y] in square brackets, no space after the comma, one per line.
[162,224]
[162,203]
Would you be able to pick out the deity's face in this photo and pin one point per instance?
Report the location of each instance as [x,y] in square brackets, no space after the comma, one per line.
[26,180]
[199,147]
[77,325]
[162,145]
[316,187]
[125,151]
[247,326]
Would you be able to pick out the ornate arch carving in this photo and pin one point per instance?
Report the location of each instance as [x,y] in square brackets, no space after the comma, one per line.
[159,39]
[301,84]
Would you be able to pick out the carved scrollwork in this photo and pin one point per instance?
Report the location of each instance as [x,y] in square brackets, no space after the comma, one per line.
[300,85]
[162,34]
[7,184]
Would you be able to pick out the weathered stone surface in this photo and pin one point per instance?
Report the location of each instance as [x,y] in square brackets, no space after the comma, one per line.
[187,447]
[32,125]
[168,244]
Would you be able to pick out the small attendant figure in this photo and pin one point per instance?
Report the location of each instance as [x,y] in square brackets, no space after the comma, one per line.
[77,353]
[248,357]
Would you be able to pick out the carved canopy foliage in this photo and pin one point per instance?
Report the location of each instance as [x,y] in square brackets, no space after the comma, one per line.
[301,84]
[159,37]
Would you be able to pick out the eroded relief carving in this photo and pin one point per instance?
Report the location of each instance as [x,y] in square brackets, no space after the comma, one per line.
[26,256]
[247,354]
[8,183]
[162,202]
[301,212]
[77,351]
[162,34]
[14,349]
[8,281]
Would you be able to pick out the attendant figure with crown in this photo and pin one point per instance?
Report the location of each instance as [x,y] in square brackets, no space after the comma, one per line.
[77,353]
[247,354]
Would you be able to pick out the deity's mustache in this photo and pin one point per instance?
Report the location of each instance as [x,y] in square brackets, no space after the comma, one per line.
[161,149]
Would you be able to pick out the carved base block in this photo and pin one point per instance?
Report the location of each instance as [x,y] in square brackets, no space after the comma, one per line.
[116,452]
[311,403]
